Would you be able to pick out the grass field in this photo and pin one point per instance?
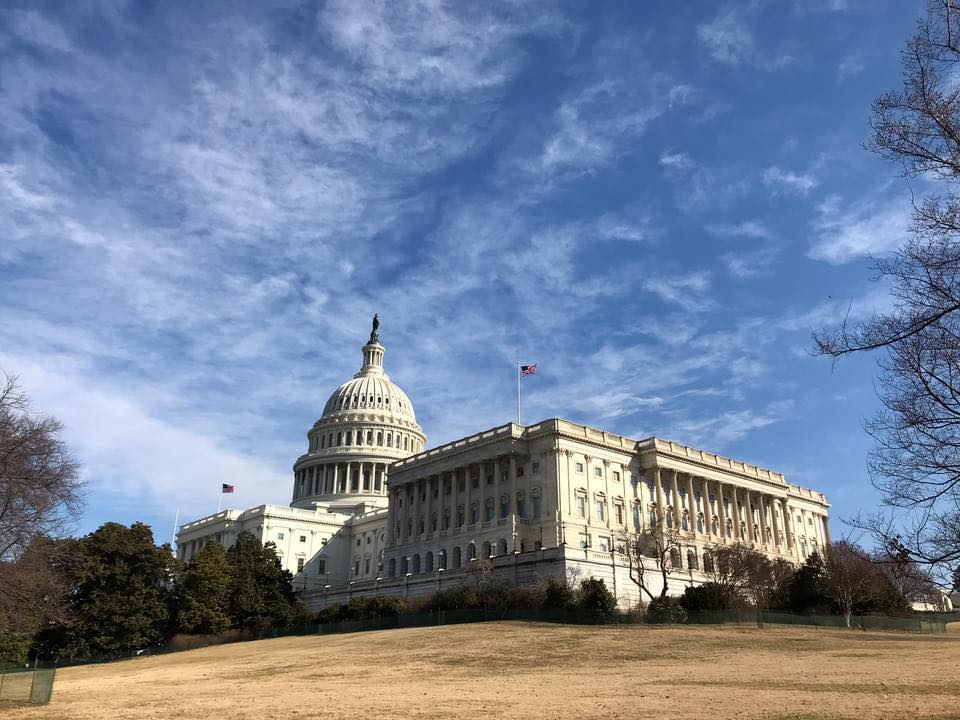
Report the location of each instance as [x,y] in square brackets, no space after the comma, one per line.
[524,670]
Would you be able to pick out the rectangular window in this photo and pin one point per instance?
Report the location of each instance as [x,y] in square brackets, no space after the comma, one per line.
[520,471]
[598,471]
[323,541]
[616,476]
[489,479]
[321,566]
[303,538]
[475,482]
[366,566]
[579,467]
[581,506]
[460,485]
[474,515]
[356,568]
[279,536]
[601,505]
[535,468]
[521,507]
[604,544]
[619,509]
[504,509]
[536,507]
[299,564]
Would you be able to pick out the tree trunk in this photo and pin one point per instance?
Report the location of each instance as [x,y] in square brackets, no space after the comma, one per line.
[846,616]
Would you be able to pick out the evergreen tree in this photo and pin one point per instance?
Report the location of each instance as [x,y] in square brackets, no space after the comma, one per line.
[118,584]
[261,591]
[807,590]
[204,592]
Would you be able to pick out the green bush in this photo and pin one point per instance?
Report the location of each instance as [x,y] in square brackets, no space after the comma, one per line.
[596,599]
[709,596]
[666,611]
[558,595]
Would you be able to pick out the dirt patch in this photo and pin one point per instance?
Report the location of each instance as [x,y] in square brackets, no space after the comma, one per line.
[509,670]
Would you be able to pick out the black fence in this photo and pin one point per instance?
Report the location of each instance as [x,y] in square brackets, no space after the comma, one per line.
[27,685]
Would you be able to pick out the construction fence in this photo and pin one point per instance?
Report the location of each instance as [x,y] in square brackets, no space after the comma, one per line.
[27,685]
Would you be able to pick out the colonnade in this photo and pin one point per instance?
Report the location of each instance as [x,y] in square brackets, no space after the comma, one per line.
[720,511]
[472,496]
[340,478]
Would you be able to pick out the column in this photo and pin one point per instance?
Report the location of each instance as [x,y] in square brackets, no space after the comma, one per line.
[691,504]
[763,519]
[336,468]
[721,512]
[349,477]
[607,495]
[638,484]
[750,533]
[468,491]
[775,524]
[735,508]
[427,527]
[675,502]
[392,519]
[661,507]
[513,483]
[707,511]
[826,528]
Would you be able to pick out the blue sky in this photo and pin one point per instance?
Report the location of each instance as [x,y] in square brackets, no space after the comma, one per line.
[201,206]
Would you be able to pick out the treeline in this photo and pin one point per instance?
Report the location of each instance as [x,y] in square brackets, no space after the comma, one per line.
[115,592]
[844,581]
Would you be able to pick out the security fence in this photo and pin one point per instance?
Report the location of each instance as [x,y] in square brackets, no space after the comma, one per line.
[910,623]
[20,686]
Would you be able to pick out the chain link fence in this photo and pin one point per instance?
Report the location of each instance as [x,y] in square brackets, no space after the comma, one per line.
[22,686]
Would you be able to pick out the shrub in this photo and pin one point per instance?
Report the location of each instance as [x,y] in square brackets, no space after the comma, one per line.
[557,594]
[666,611]
[596,599]
[709,596]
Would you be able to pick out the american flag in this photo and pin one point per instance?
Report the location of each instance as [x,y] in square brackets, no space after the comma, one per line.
[227,488]
[528,369]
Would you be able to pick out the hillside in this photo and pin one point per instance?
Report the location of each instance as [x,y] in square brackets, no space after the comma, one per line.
[511,670]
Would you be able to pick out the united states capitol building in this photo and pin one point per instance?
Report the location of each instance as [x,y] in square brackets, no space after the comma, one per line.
[374,511]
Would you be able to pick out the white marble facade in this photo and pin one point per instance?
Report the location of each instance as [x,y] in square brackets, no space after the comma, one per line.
[373,512]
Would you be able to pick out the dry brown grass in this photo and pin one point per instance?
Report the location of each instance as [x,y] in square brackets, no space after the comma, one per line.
[526,670]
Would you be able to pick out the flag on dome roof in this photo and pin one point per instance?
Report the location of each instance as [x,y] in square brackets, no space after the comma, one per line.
[528,369]
[227,488]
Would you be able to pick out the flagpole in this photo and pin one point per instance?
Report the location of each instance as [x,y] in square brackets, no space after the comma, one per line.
[220,501]
[518,392]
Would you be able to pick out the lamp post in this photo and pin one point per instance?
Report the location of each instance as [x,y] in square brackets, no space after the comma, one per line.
[379,580]
[406,584]
[350,590]
[440,579]
[325,589]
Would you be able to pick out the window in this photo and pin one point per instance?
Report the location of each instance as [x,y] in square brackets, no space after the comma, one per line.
[489,479]
[601,505]
[521,505]
[488,515]
[380,438]
[323,542]
[366,566]
[616,476]
[321,566]
[369,437]
[300,564]
[504,507]
[358,542]
[581,506]
[579,467]
[619,511]
[598,471]
[356,568]
[535,468]
[389,439]
[279,536]
[303,538]
[604,544]
[536,506]
[339,439]
[520,471]
[475,482]
[474,513]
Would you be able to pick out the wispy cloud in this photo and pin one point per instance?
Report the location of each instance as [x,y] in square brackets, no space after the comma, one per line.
[864,229]
[788,181]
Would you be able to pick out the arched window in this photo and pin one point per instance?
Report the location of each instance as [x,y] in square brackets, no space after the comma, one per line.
[348,437]
[380,438]
[692,563]
[428,562]
[392,568]
[359,437]
[669,517]
[708,562]
[433,522]
[486,550]
[416,564]
[404,565]
[442,560]
[369,437]
[457,560]
[389,439]
[685,520]
[339,439]
[471,551]
[404,442]
[323,441]
[502,547]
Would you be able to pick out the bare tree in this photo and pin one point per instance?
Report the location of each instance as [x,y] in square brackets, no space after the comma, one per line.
[851,576]
[916,463]
[746,574]
[40,489]
[661,545]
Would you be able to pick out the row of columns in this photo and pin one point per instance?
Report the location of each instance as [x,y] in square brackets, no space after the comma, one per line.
[340,479]
[778,532]
[404,517]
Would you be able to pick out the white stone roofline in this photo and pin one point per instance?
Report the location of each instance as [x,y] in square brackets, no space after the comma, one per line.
[611,441]
[277,511]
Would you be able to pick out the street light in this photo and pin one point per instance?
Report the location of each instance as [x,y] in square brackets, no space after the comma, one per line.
[440,579]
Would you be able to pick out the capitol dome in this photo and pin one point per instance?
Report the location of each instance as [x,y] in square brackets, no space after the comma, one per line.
[368,423]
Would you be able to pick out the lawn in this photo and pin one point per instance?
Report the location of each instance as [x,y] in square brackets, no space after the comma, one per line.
[530,670]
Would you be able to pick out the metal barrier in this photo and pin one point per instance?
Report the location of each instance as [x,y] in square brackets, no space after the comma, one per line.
[20,686]
[911,623]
